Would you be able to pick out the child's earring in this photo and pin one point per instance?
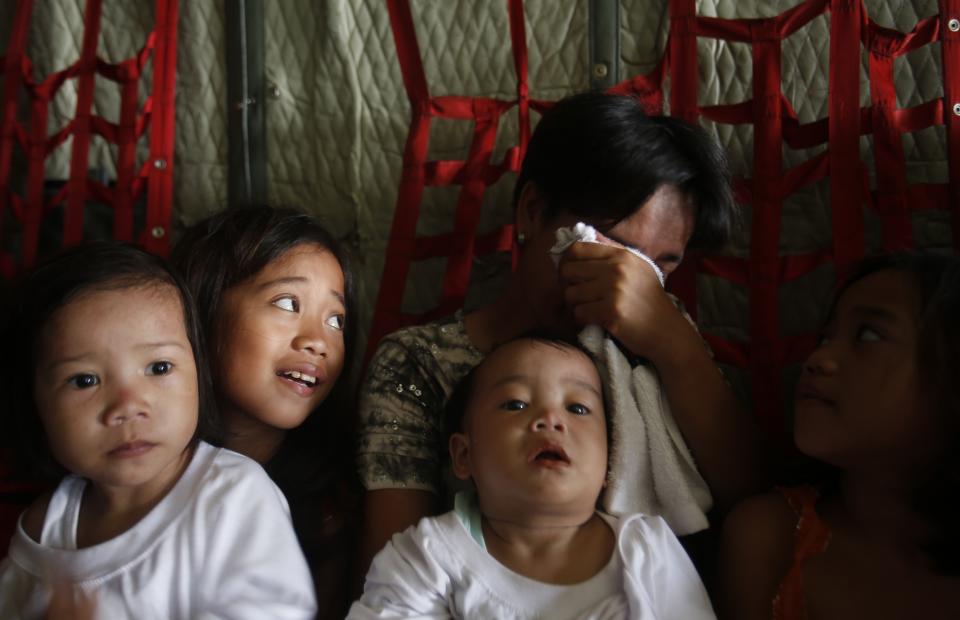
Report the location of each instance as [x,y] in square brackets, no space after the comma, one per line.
[521,239]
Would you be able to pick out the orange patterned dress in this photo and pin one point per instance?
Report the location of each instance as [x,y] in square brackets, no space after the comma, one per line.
[810,539]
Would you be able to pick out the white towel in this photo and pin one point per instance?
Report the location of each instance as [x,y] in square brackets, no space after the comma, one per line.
[651,468]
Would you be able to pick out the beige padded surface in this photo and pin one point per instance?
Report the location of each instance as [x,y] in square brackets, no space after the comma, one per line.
[336,129]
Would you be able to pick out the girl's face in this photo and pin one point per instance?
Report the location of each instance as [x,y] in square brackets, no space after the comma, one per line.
[858,402]
[535,434]
[281,340]
[116,386]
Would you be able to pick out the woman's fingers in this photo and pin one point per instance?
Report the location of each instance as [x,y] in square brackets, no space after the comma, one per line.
[584,261]
[585,291]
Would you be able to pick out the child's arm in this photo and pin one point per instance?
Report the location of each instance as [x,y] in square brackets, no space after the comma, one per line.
[251,564]
[659,573]
[404,582]
[755,554]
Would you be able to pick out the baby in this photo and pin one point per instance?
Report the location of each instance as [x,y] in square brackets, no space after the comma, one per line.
[529,429]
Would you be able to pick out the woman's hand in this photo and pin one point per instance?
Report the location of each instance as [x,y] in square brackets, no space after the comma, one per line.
[611,287]
[606,285]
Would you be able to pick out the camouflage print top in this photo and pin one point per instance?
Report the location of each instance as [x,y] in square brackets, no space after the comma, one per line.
[402,437]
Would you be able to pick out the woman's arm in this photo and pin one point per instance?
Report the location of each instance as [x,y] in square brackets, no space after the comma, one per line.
[611,287]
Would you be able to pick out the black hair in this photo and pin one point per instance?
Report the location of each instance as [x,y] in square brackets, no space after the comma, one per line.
[95,266]
[234,245]
[600,157]
[937,281]
[459,400]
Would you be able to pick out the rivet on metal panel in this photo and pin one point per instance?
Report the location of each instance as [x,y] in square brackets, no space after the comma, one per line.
[956,109]
[158,232]
[160,163]
[600,70]
[954,25]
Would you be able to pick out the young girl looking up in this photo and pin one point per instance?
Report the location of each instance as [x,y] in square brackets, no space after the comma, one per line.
[105,380]
[275,299]
[879,401]
[531,432]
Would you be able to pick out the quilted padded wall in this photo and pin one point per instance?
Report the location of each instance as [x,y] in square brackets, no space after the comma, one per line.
[54,40]
[337,118]
[338,115]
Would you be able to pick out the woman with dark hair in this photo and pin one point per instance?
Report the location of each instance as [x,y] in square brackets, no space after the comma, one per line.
[652,184]
[276,301]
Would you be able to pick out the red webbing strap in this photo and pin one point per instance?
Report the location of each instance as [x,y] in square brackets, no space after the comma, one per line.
[400,247]
[518,41]
[86,69]
[682,62]
[521,67]
[126,162]
[13,71]
[765,356]
[156,234]
[127,133]
[844,123]
[475,175]
[33,207]
[647,88]
[887,144]
[467,216]
[950,68]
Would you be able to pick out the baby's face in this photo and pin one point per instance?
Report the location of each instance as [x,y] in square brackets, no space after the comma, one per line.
[535,436]
[116,386]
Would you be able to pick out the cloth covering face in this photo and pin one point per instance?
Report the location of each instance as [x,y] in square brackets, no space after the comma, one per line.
[651,468]
[437,570]
[219,545]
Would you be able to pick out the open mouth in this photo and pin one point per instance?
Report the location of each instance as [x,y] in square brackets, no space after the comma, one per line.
[551,455]
[806,392]
[298,377]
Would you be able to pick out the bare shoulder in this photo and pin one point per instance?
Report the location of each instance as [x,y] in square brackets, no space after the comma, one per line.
[32,521]
[756,550]
[764,518]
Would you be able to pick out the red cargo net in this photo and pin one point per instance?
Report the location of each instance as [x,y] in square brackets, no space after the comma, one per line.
[775,123]
[36,141]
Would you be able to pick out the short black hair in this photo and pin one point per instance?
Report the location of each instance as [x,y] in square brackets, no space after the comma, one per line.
[600,157]
[90,267]
[937,281]
[234,245]
[459,400]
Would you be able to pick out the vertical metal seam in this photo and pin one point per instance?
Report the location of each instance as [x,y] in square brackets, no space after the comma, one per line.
[604,43]
[244,104]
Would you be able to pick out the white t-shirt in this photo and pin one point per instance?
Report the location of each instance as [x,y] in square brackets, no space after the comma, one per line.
[219,545]
[437,570]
